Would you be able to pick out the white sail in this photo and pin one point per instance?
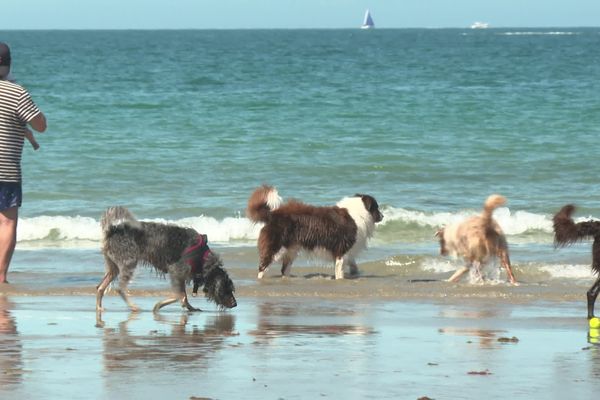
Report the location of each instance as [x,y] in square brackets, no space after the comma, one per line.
[368,21]
[480,25]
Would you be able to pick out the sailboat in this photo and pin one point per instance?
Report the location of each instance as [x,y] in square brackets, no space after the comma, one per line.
[368,22]
[480,25]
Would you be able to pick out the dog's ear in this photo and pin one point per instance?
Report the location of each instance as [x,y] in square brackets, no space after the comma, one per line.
[368,201]
[439,233]
[371,206]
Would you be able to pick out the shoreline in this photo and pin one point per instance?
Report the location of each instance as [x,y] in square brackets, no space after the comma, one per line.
[309,282]
[295,348]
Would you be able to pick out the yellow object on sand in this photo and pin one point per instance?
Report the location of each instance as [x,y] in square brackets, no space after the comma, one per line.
[594,336]
[594,323]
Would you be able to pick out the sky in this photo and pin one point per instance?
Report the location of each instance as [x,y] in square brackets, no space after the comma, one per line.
[292,14]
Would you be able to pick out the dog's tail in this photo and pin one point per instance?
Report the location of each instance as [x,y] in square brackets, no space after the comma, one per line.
[491,203]
[262,202]
[115,216]
[567,232]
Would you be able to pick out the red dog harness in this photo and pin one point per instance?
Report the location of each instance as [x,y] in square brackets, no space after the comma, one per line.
[195,256]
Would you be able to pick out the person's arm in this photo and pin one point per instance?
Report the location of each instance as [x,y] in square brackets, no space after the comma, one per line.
[29,136]
[38,122]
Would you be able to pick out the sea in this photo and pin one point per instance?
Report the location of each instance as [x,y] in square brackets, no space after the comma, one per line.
[180,126]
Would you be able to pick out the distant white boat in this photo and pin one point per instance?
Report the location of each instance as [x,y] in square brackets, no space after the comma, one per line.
[368,22]
[480,25]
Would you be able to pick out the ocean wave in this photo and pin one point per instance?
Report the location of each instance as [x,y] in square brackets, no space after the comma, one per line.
[58,228]
[54,229]
[537,33]
[513,223]
[399,225]
[528,272]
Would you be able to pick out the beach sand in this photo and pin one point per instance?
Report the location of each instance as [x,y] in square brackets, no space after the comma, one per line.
[302,338]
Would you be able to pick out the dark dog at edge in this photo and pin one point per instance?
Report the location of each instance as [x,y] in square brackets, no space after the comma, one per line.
[567,232]
[180,252]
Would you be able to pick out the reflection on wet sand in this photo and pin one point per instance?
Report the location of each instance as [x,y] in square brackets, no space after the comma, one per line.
[487,338]
[594,352]
[276,320]
[182,344]
[11,363]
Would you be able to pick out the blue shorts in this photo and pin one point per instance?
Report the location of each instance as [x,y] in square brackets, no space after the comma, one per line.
[11,195]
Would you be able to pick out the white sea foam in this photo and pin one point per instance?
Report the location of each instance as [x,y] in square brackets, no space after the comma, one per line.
[76,229]
[568,271]
[493,272]
[58,228]
[238,230]
[539,33]
[512,223]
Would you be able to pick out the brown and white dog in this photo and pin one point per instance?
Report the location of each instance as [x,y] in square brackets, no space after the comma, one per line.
[477,239]
[341,231]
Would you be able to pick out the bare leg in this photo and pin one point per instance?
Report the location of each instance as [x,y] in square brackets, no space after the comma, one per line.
[8,239]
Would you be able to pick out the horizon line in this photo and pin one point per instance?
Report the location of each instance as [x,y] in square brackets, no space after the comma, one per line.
[302,28]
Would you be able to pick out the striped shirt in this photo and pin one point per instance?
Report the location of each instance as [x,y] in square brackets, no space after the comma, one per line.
[16,110]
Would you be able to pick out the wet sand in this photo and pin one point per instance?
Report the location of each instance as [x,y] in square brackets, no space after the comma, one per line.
[299,339]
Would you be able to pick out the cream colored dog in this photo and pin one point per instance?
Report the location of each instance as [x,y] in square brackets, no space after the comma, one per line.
[477,239]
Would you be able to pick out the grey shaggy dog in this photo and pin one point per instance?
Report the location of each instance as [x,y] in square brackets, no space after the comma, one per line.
[180,252]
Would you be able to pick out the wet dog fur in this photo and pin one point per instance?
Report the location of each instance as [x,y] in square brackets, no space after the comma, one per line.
[341,231]
[128,242]
[477,240]
[567,232]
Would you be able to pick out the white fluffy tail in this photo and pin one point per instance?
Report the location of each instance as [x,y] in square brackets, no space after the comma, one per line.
[262,202]
[115,216]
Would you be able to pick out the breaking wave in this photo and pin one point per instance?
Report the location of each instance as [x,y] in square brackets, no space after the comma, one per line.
[398,225]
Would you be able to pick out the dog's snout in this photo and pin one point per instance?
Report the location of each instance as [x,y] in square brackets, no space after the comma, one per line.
[232,303]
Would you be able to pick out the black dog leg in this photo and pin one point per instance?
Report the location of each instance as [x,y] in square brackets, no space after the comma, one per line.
[592,294]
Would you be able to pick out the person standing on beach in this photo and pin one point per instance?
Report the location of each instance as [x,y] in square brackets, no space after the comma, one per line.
[17,109]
